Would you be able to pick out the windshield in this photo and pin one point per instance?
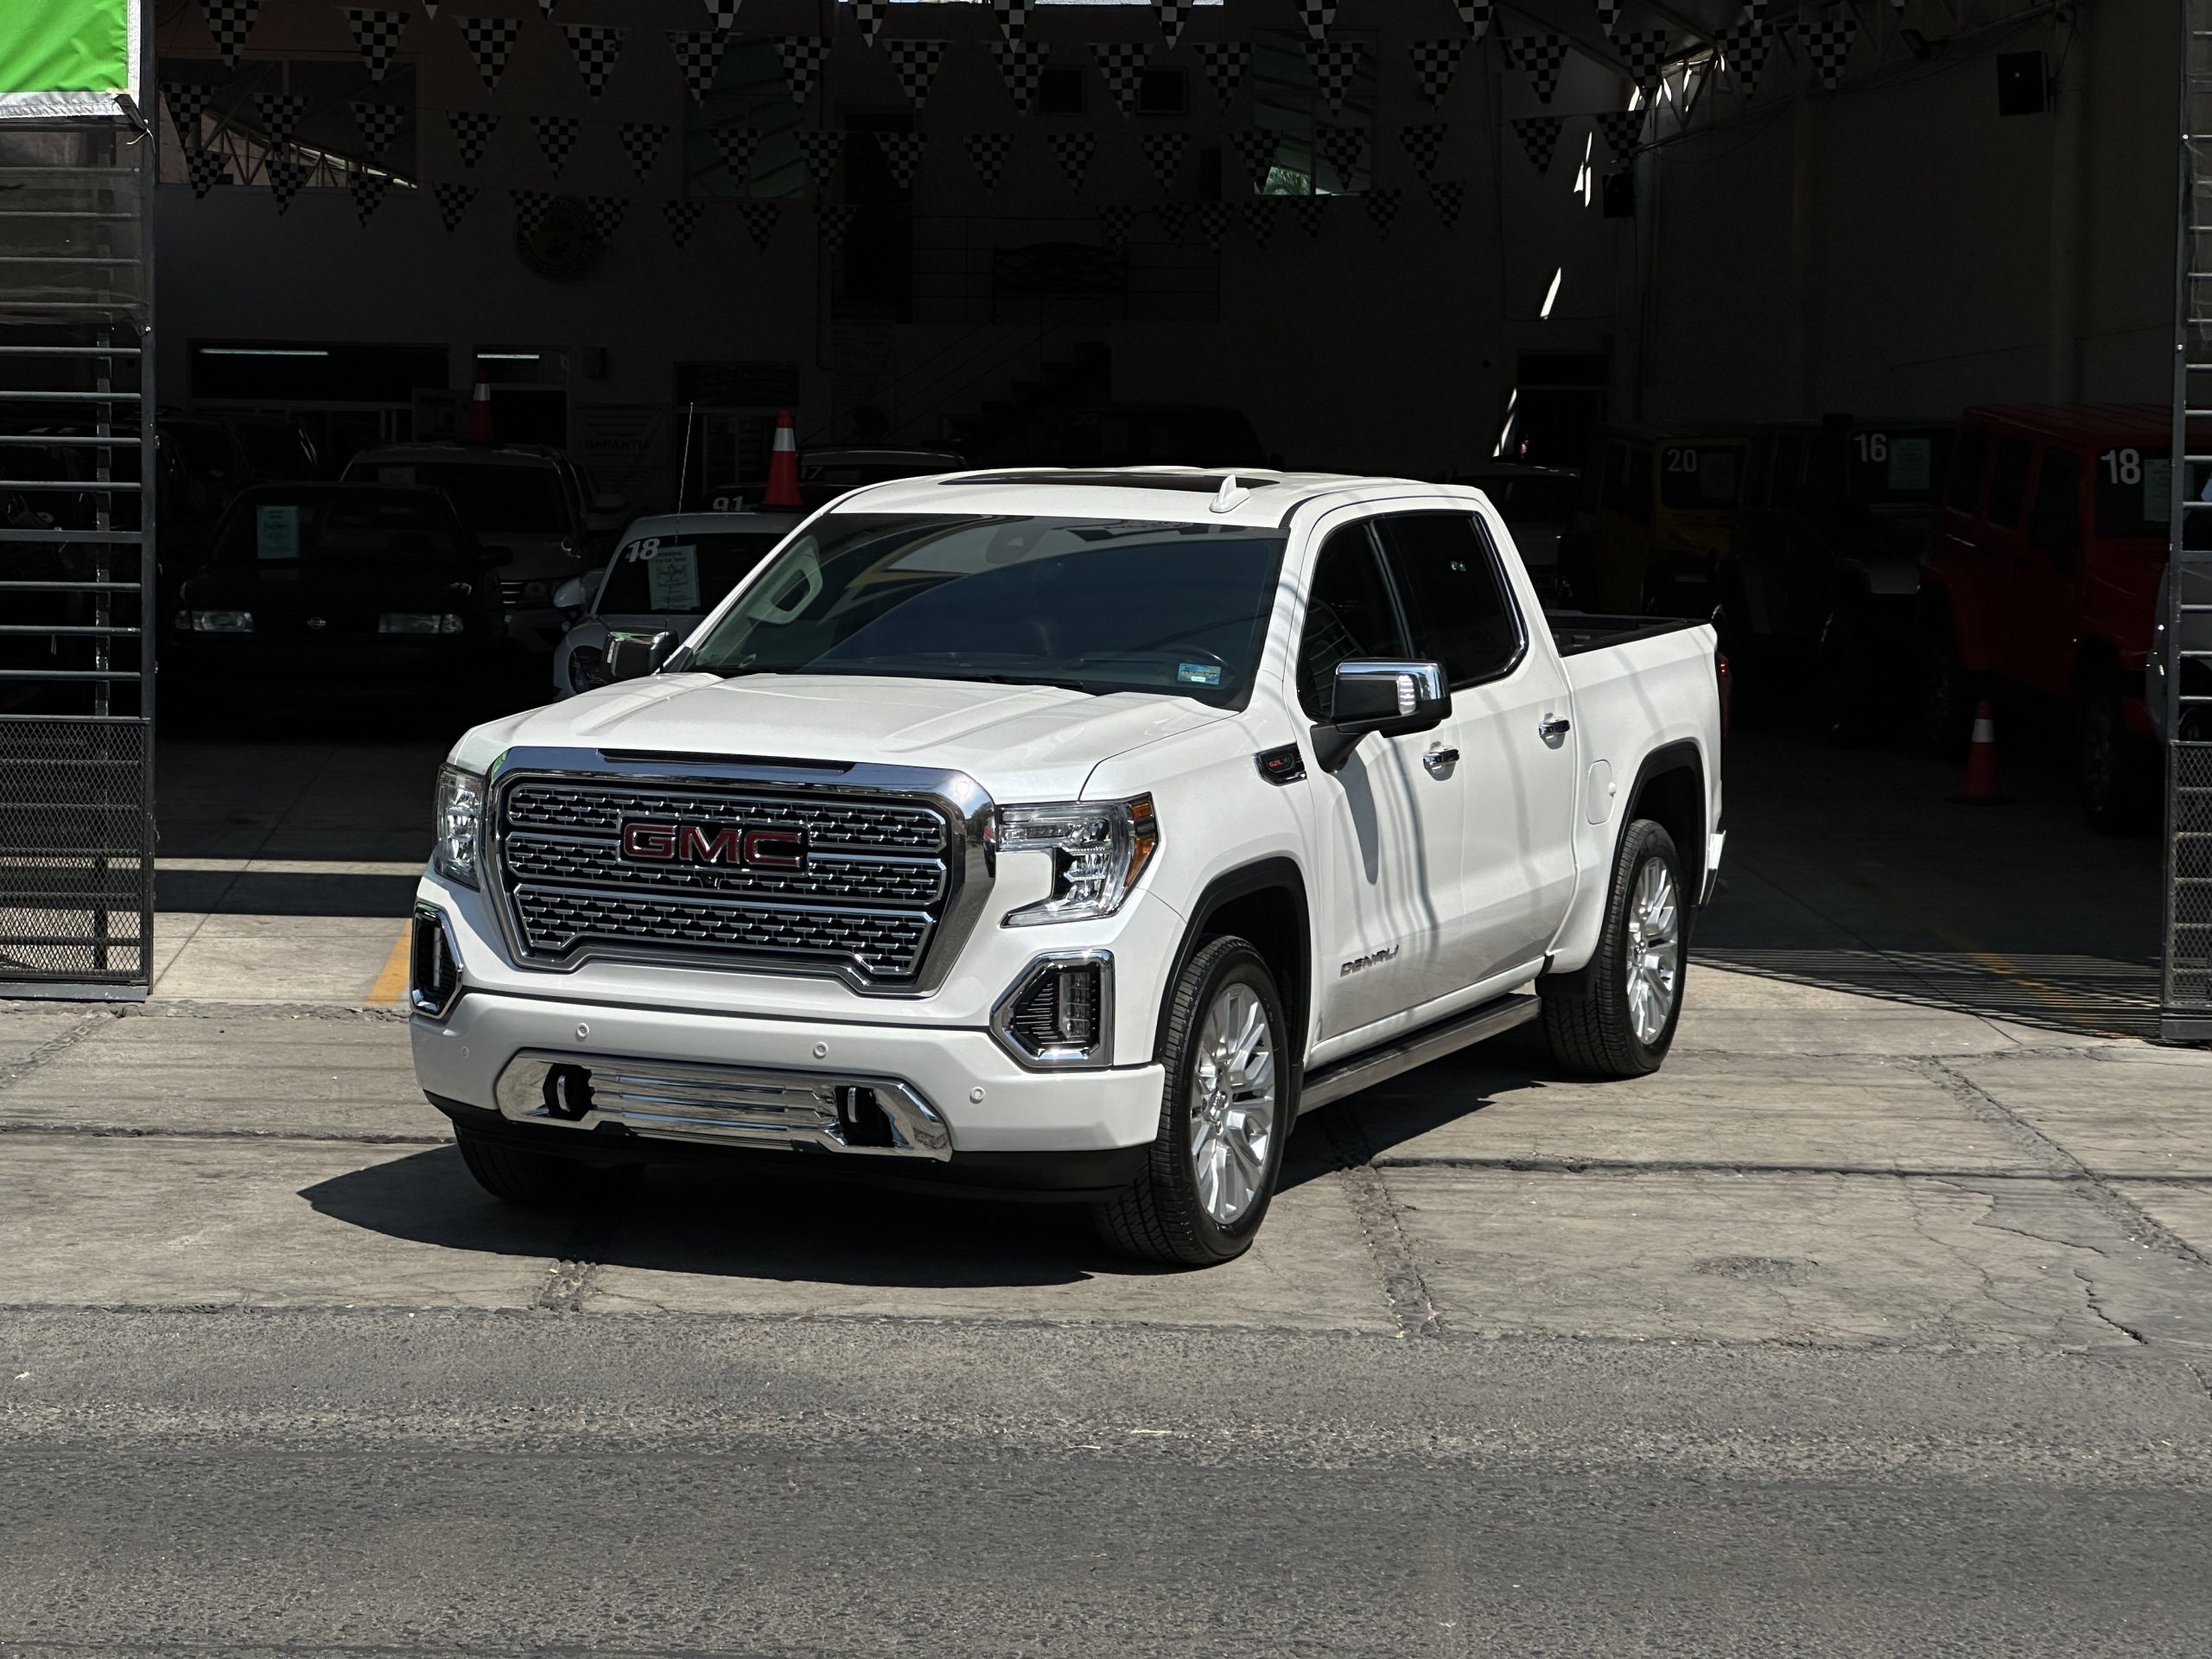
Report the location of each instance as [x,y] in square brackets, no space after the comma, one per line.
[1098,603]
[2134,492]
[1890,467]
[1700,477]
[687,573]
[1540,498]
[362,526]
[494,498]
[274,451]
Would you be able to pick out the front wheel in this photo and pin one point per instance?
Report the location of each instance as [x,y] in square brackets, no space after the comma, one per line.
[1226,1108]
[1616,1018]
[539,1181]
[2113,769]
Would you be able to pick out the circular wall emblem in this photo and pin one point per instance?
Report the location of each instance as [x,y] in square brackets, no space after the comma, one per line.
[563,246]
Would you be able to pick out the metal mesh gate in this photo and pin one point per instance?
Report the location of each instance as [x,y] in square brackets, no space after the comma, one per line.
[76,568]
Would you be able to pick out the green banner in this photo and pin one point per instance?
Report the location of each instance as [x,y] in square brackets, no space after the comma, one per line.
[65,46]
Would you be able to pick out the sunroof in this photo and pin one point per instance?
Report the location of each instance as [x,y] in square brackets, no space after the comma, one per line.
[1194,483]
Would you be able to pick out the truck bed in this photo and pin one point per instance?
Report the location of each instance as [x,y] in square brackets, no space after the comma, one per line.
[1576,631]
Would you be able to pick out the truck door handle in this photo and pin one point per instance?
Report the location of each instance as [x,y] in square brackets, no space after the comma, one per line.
[1553,727]
[1439,762]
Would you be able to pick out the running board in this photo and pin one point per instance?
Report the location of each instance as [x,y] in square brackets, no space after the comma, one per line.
[1364,1071]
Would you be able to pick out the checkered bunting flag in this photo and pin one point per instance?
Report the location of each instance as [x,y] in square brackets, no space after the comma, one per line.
[1164,151]
[724,12]
[1539,135]
[641,142]
[378,124]
[230,22]
[606,213]
[368,190]
[803,57]
[1021,65]
[1225,63]
[205,168]
[1317,16]
[760,220]
[1115,223]
[1540,57]
[287,173]
[916,64]
[279,115]
[471,130]
[1828,46]
[1214,220]
[376,33]
[1259,216]
[1622,129]
[1448,197]
[699,56]
[902,154]
[430,9]
[1342,148]
[545,7]
[1609,15]
[1014,18]
[1435,64]
[1744,48]
[1174,218]
[490,40]
[683,216]
[737,145]
[454,203]
[1309,210]
[835,223]
[1172,19]
[1645,53]
[1073,150]
[1122,62]
[556,137]
[1423,143]
[1334,63]
[1256,146]
[1476,15]
[1382,210]
[868,13]
[595,47]
[988,151]
[186,100]
[821,151]
[530,208]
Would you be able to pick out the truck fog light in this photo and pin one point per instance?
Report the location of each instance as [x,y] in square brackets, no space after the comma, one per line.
[1060,1011]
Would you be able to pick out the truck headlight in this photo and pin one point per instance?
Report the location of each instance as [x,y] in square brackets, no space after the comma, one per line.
[1099,849]
[461,816]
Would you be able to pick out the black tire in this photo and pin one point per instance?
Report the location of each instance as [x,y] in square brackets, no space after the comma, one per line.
[2114,770]
[1161,1217]
[540,1180]
[1947,696]
[1587,1015]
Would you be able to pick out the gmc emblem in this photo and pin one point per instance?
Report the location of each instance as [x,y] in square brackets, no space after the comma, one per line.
[700,843]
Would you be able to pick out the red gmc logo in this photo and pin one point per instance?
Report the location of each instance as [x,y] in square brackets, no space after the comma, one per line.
[700,843]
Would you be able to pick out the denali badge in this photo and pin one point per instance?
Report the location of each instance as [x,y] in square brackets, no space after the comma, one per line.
[701,843]
[1373,958]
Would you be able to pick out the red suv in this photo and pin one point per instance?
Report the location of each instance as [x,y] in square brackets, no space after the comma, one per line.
[2041,580]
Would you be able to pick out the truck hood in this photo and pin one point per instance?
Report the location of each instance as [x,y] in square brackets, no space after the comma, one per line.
[1019,742]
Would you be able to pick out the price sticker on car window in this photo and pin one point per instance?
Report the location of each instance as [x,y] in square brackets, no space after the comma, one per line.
[672,576]
[2158,489]
[1912,462]
[276,532]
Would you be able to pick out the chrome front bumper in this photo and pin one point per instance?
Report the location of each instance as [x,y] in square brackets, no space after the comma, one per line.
[741,1105]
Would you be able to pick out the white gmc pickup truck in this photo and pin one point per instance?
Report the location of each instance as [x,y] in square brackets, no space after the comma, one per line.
[1069,834]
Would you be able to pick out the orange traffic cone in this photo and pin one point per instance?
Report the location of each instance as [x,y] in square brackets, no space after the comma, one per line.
[1981,760]
[783,466]
[479,414]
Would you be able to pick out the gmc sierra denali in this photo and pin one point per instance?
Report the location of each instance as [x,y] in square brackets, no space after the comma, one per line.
[1071,834]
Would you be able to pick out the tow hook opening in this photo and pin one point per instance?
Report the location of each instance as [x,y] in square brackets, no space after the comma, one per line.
[568,1093]
[862,1120]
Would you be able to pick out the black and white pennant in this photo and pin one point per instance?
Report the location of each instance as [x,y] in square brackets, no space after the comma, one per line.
[916,64]
[1174,219]
[1214,219]
[378,124]
[376,34]
[1073,151]
[699,56]
[902,154]
[1164,152]
[1827,46]
[530,208]
[1449,198]
[205,168]
[1261,215]
[1539,135]
[988,151]
[454,203]
[834,222]
[1477,15]
[803,56]
[1423,143]
[1334,64]
[229,22]
[1622,130]
[1021,65]
[1115,223]
[471,130]
[606,214]
[1122,63]
[1226,63]
[641,142]
[821,150]
[1744,48]
[1342,148]
[1172,16]
[1311,212]
[1539,57]
[490,40]
[724,12]
[1317,16]
[1609,15]
[556,137]
[367,188]
[1435,64]
[868,13]
[286,175]
[596,47]
[683,216]
[1014,18]
[737,145]
[761,218]
[1257,147]
[1382,210]
[187,100]
[1645,53]
[279,115]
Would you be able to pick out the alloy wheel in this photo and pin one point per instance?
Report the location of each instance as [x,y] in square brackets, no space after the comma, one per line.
[1653,951]
[1233,1099]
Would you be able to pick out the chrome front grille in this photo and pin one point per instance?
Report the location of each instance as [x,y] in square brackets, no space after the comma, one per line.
[511,594]
[870,898]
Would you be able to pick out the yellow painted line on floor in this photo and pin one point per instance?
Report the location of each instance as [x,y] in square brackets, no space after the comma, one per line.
[391,983]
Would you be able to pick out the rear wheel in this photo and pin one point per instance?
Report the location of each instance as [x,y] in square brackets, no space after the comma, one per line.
[539,1181]
[1616,1018]
[1946,698]
[2114,770]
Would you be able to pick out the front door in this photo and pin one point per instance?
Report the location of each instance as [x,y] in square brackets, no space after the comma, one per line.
[2048,597]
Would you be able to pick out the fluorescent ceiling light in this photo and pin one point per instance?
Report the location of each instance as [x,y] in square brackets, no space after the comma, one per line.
[1551,296]
[258,351]
[507,357]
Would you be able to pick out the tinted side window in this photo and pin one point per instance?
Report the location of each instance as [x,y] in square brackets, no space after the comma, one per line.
[1455,597]
[2055,522]
[1969,462]
[1349,613]
[2008,480]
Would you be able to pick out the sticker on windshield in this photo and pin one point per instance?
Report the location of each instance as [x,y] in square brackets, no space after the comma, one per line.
[672,576]
[276,532]
[1911,461]
[402,475]
[1198,674]
[2158,490]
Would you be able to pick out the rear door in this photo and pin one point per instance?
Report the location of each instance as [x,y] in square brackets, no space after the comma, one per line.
[2050,587]
[2004,563]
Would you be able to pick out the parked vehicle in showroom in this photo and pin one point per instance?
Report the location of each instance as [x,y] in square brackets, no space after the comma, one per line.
[1658,510]
[2042,582]
[1133,435]
[1537,503]
[826,474]
[1066,833]
[669,570]
[526,497]
[1835,518]
[346,590]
